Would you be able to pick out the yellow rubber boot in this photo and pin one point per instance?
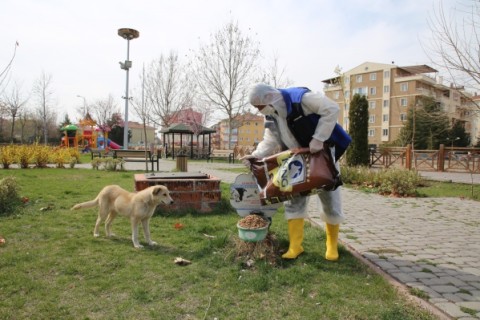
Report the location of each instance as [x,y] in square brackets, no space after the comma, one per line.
[295,236]
[332,241]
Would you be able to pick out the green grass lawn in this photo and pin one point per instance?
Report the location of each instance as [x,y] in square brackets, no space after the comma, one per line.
[53,268]
[450,189]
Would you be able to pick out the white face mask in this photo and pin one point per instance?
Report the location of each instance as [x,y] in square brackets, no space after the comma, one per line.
[267,110]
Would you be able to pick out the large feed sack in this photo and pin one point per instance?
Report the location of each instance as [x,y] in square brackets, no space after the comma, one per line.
[294,173]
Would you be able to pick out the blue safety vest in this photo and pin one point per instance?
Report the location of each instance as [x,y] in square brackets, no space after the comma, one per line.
[303,127]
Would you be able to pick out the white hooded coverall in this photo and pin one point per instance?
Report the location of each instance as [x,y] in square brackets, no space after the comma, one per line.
[274,137]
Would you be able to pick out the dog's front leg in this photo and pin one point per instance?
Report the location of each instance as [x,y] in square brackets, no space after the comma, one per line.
[134,223]
[146,232]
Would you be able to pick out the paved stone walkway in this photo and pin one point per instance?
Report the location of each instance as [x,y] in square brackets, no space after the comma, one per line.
[430,244]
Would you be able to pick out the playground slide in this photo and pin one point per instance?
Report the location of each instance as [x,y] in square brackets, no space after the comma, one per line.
[113,145]
[110,143]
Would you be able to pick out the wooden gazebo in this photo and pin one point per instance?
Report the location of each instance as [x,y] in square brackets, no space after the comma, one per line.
[185,129]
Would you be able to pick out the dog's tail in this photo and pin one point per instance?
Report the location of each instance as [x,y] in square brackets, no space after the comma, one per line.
[86,205]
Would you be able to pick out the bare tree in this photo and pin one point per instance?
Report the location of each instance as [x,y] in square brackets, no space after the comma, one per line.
[143,111]
[103,111]
[198,124]
[23,119]
[165,89]
[141,108]
[5,73]
[275,75]
[3,115]
[455,42]
[43,93]
[13,102]
[224,69]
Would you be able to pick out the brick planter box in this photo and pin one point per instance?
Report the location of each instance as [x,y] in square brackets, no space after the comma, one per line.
[199,191]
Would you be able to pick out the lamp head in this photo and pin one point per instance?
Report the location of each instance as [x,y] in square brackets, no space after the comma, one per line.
[128,34]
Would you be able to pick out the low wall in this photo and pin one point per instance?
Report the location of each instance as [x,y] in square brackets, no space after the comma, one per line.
[188,190]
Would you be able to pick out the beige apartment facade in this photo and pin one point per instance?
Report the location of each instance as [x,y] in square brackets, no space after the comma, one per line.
[250,133]
[247,131]
[391,90]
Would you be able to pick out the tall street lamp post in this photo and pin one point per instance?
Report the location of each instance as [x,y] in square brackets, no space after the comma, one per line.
[127,34]
[84,105]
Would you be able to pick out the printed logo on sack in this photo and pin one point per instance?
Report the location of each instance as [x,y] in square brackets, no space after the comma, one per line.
[290,172]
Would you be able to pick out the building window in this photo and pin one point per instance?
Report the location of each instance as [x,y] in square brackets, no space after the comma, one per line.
[371,132]
[403,117]
[385,118]
[347,94]
[361,91]
[372,104]
[336,94]
[371,119]
[403,102]
[385,132]
[359,78]
[373,91]
[346,80]
[386,74]
[386,89]
[345,121]
[373,76]
[347,106]
[385,103]
[404,86]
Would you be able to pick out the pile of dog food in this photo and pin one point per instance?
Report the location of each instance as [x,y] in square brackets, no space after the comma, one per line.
[253,221]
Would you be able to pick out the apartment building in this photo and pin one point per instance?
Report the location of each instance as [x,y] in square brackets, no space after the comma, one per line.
[250,133]
[474,112]
[246,131]
[220,139]
[391,90]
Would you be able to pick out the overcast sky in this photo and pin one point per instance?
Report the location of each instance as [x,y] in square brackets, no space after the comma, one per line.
[76,42]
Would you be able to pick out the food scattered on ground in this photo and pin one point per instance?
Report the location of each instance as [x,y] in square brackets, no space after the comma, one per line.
[249,252]
[2,240]
[178,226]
[182,262]
[253,221]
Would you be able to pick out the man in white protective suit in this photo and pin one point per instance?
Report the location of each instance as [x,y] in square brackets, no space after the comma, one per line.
[274,103]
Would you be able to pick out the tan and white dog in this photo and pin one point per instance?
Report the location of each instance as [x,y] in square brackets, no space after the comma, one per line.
[138,207]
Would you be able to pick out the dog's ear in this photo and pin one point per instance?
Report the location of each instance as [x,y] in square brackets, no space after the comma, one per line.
[156,190]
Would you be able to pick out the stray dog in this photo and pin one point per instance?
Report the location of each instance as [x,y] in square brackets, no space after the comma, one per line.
[138,207]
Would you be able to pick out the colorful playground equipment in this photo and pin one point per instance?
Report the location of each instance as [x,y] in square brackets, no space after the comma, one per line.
[86,135]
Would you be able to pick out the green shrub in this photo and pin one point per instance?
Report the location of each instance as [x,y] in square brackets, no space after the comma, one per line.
[9,197]
[7,156]
[398,182]
[359,175]
[41,156]
[24,155]
[108,164]
[60,157]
